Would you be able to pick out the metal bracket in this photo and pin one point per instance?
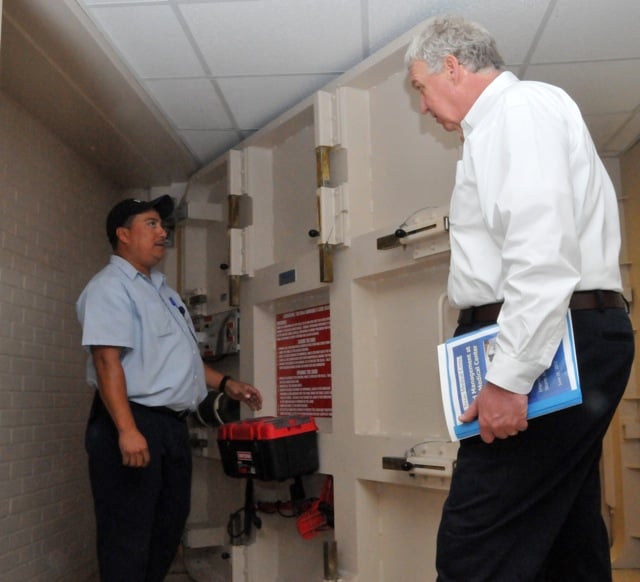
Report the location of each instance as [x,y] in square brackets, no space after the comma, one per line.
[431,463]
[240,251]
[425,231]
[426,466]
[334,214]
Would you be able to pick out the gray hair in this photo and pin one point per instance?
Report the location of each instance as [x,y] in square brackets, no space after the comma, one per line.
[469,42]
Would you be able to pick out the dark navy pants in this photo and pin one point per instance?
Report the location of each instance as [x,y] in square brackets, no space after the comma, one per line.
[140,513]
[528,508]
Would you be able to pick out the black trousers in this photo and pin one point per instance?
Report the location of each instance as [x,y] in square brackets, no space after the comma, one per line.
[140,513]
[528,508]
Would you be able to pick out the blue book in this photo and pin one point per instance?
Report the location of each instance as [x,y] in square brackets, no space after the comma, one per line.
[463,362]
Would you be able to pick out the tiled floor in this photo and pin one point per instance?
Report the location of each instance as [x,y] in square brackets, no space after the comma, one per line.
[180,575]
[626,575]
[618,576]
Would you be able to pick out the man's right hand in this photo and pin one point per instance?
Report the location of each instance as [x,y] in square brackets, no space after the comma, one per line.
[134,449]
[501,414]
[113,391]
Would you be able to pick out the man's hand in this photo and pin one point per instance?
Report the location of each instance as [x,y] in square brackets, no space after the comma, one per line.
[134,449]
[244,392]
[113,391]
[500,413]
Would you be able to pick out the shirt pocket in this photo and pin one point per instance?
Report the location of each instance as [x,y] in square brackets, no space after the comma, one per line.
[159,319]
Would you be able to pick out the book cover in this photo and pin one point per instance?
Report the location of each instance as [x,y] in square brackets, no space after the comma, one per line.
[463,362]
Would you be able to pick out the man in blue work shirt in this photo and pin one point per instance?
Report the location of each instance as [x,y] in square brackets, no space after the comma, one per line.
[146,368]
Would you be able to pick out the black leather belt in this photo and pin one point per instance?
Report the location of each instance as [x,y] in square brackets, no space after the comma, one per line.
[179,414]
[579,300]
[98,406]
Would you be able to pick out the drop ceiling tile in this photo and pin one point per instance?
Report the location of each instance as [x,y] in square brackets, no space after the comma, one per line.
[587,31]
[604,127]
[513,23]
[626,136]
[277,36]
[207,145]
[190,103]
[595,86]
[150,38]
[254,101]
[386,22]
[99,2]
[273,53]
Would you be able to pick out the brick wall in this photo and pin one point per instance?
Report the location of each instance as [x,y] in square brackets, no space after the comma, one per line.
[52,210]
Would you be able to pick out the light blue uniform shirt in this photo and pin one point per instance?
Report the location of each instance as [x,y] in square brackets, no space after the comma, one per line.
[122,307]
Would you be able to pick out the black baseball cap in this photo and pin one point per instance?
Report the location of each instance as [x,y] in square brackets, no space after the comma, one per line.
[129,207]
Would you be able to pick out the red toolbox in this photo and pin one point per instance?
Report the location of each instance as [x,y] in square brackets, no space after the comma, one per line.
[269,447]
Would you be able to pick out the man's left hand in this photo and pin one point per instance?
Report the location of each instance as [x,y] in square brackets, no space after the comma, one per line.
[244,392]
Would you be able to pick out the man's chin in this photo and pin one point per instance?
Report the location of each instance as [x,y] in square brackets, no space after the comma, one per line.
[450,126]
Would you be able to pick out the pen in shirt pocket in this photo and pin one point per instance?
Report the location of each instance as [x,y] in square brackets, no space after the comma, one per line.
[180,308]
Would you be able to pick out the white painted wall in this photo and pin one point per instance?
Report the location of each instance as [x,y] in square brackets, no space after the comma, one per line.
[388,313]
[53,208]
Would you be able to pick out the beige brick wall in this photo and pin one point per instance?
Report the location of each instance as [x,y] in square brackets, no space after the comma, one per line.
[52,210]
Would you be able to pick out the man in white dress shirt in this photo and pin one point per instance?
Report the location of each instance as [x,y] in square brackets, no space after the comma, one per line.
[534,232]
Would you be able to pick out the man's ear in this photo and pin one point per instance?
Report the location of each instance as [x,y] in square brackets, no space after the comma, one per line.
[123,234]
[451,67]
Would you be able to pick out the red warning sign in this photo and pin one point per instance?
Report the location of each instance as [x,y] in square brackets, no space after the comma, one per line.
[303,346]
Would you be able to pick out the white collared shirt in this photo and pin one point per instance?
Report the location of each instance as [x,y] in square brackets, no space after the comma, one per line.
[533,217]
[122,307]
